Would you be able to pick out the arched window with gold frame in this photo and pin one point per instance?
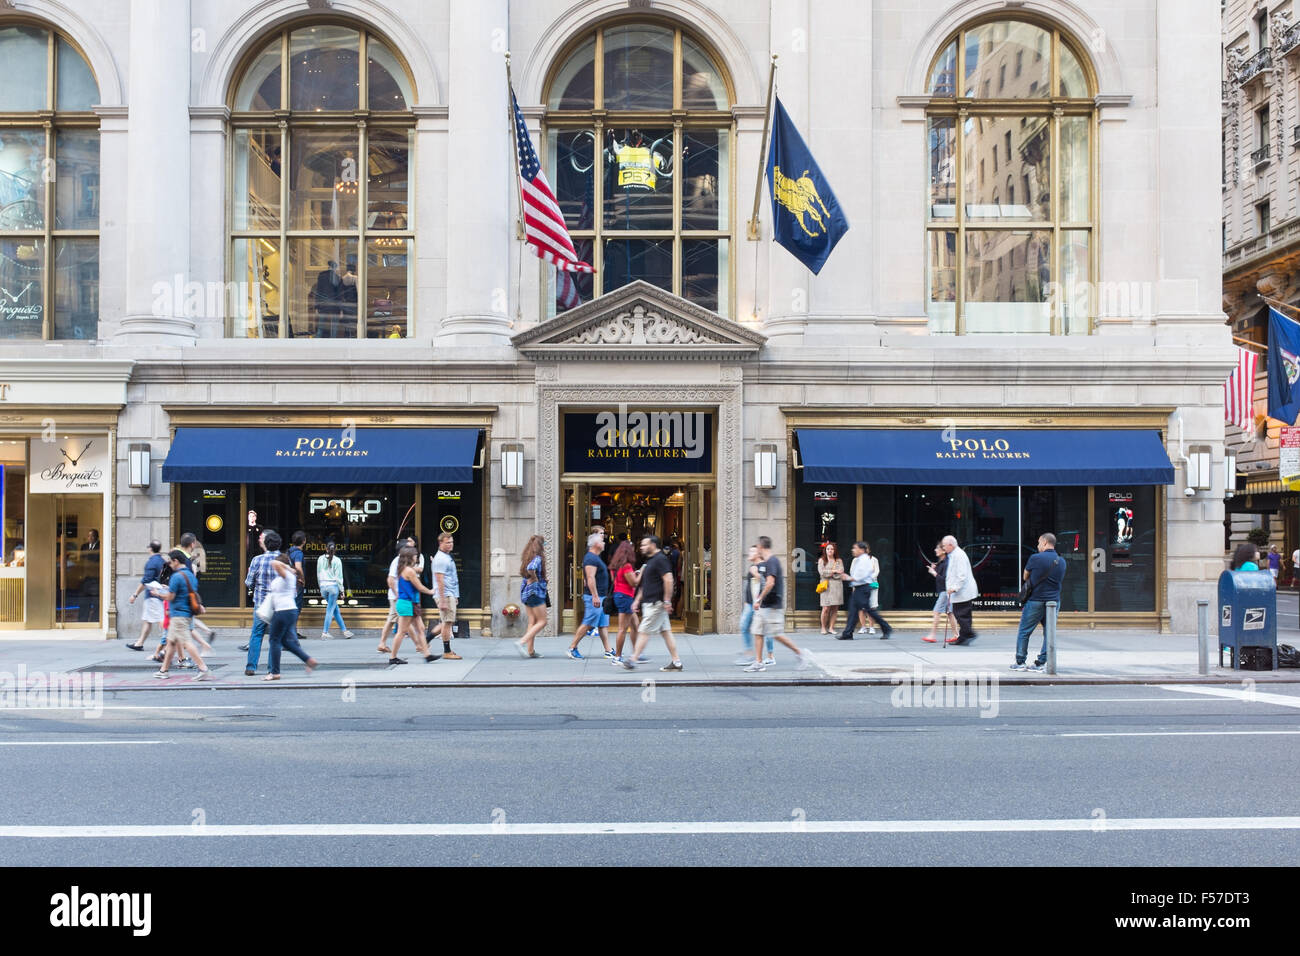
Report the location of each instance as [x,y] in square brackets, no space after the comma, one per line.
[638,142]
[1012,98]
[322,230]
[49,187]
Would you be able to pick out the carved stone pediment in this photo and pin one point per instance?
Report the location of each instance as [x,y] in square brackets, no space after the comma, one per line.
[638,322]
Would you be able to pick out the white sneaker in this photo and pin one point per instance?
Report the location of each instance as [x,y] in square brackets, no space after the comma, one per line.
[324,635]
[755,666]
[803,663]
[769,661]
[862,630]
[348,635]
[871,630]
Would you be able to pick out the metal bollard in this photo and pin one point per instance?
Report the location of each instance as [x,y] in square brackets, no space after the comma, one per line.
[1050,628]
[1202,637]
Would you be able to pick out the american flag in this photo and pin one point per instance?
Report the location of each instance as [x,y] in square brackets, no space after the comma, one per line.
[544,228]
[1239,392]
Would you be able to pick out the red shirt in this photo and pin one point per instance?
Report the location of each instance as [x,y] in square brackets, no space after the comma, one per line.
[623,581]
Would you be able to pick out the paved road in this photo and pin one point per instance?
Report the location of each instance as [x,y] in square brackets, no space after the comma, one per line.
[797,758]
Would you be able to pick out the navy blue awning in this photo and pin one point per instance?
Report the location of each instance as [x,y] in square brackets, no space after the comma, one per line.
[318,455]
[971,456]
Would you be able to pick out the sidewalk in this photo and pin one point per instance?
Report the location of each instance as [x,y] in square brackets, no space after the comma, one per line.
[1083,656]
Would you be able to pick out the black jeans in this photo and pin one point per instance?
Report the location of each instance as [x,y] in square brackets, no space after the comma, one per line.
[861,601]
[961,610]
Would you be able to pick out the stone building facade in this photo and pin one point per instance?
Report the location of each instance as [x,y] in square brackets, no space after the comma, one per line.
[277,268]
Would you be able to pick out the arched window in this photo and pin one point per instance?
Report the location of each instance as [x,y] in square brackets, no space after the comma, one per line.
[1038,124]
[321,217]
[49,188]
[638,141]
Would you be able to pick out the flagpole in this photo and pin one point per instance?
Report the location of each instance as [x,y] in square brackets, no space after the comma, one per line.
[1282,305]
[514,142]
[753,234]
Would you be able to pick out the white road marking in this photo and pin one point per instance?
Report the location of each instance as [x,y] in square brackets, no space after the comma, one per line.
[669,827]
[1101,700]
[79,743]
[136,707]
[1183,733]
[1235,693]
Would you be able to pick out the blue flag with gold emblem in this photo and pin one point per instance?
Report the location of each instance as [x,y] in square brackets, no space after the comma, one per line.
[806,217]
[1283,367]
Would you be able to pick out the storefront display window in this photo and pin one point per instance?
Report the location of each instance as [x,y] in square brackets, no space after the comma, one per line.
[321,208]
[13,515]
[824,513]
[1125,539]
[49,189]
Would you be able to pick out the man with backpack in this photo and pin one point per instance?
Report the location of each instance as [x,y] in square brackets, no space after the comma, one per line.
[1044,573]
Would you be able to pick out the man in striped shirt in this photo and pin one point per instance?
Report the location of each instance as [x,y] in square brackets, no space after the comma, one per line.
[260,576]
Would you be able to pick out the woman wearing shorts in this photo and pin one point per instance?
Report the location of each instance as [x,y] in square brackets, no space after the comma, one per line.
[626,578]
[409,589]
[942,605]
[532,591]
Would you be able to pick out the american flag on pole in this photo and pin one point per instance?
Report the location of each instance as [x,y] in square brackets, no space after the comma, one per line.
[544,229]
[1239,392]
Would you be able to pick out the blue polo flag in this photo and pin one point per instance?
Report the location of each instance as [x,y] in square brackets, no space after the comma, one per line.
[1283,367]
[806,217]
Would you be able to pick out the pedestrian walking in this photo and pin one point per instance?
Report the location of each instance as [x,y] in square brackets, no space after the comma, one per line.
[1274,562]
[283,592]
[769,607]
[329,577]
[1043,575]
[595,586]
[829,569]
[654,598]
[195,560]
[1245,558]
[390,622]
[532,591]
[296,558]
[151,612]
[938,569]
[753,584]
[409,589]
[862,577]
[182,586]
[261,573]
[962,590]
[447,591]
[626,578]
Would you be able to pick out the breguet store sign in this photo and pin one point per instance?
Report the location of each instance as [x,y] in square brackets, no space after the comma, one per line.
[78,464]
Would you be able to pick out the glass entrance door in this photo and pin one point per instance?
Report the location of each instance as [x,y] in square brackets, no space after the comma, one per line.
[79,560]
[697,560]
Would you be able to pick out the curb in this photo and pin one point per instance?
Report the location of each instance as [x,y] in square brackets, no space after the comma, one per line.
[1056,681]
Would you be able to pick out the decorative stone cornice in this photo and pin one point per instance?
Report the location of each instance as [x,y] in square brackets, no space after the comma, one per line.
[636,323]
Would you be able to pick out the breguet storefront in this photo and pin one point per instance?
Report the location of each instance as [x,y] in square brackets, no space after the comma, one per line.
[58,480]
[347,480]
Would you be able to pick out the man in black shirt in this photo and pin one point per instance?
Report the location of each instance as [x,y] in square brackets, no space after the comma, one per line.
[1044,573]
[654,596]
[769,610]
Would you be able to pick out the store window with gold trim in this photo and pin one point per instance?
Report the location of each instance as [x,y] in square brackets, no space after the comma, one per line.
[321,217]
[49,188]
[638,136]
[1011,221]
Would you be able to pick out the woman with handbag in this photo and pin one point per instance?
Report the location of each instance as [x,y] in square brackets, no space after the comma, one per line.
[532,591]
[409,589]
[830,588]
[283,595]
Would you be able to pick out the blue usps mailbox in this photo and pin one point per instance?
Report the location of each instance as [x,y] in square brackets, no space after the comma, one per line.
[1247,614]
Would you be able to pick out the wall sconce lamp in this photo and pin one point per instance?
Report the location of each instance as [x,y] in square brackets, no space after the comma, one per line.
[1229,475]
[1199,475]
[140,465]
[765,466]
[512,465]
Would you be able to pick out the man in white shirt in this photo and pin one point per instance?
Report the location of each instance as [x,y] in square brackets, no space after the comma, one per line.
[862,577]
[962,590]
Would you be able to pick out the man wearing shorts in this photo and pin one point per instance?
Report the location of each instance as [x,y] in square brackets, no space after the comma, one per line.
[181,586]
[446,587]
[595,585]
[654,596]
[769,608]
